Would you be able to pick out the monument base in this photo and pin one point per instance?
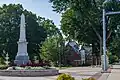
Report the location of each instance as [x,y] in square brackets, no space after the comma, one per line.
[21,60]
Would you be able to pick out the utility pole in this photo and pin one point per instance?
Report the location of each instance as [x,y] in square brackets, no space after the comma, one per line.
[104,33]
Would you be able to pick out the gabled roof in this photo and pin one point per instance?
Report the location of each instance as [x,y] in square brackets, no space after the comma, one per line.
[77,48]
[74,45]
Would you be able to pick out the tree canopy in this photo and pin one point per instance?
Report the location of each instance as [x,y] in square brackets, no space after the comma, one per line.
[36,30]
[82,21]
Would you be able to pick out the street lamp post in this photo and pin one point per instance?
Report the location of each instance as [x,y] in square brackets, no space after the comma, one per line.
[104,40]
[104,32]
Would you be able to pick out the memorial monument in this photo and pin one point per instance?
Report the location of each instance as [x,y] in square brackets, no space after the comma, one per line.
[22,58]
[22,55]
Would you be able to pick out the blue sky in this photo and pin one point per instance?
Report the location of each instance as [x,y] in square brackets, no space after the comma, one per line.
[40,7]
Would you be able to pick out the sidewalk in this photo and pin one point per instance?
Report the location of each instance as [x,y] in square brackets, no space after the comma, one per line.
[114,75]
[104,76]
[83,72]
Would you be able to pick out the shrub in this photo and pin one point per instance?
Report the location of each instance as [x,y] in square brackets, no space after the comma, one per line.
[3,67]
[2,61]
[113,59]
[35,64]
[65,77]
[89,79]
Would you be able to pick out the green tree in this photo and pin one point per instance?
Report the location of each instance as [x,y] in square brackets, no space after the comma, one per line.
[82,20]
[112,58]
[50,50]
[48,25]
[53,48]
[114,24]
[9,30]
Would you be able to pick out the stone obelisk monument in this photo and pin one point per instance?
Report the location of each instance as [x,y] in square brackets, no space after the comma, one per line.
[22,55]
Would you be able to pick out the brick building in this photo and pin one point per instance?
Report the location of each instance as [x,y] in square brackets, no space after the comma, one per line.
[73,55]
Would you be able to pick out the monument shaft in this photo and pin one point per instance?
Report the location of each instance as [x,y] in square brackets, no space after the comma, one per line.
[22,55]
[22,29]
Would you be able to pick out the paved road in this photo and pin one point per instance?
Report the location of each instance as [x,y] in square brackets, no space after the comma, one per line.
[77,72]
[24,78]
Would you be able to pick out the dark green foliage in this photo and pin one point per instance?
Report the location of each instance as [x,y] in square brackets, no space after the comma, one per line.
[2,67]
[9,30]
[82,21]
[2,62]
[113,58]
[48,26]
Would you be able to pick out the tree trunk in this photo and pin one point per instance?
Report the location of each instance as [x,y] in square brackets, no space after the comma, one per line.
[100,51]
